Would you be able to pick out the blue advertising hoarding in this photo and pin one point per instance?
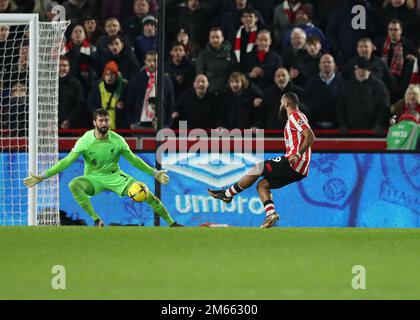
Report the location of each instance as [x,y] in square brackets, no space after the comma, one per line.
[342,190]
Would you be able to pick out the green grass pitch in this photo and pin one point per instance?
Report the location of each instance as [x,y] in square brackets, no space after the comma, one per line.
[208,263]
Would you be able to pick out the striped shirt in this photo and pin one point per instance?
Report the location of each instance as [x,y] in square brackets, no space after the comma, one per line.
[294,139]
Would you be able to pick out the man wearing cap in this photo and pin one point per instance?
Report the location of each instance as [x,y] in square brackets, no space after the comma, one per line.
[148,41]
[133,25]
[364,102]
[379,67]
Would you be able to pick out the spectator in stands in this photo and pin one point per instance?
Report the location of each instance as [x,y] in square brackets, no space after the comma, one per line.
[200,107]
[92,29]
[296,52]
[243,110]
[109,93]
[79,50]
[307,65]
[284,17]
[127,63]
[231,20]
[246,36]
[341,34]
[141,97]
[180,69]
[71,99]
[216,61]
[261,63]
[77,10]
[133,26]
[112,28]
[148,40]
[364,103]
[271,98]
[406,12]
[192,50]
[7,6]
[323,92]
[379,67]
[196,21]
[14,111]
[303,20]
[410,102]
[399,54]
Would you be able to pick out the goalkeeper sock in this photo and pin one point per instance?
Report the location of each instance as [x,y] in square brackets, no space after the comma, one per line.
[235,189]
[79,190]
[157,206]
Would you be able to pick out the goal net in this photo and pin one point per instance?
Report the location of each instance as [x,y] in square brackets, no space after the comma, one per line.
[29,58]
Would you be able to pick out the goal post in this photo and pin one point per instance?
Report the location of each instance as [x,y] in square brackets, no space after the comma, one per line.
[29,63]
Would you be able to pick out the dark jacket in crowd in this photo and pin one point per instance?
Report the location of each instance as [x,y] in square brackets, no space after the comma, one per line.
[271,105]
[71,103]
[197,24]
[127,63]
[308,66]
[200,112]
[135,98]
[240,111]
[363,105]
[133,27]
[379,69]
[271,63]
[182,76]
[291,57]
[144,44]
[322,101]
[217,65]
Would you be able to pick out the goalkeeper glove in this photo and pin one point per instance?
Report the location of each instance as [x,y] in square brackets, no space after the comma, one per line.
[32,180]
[161,176]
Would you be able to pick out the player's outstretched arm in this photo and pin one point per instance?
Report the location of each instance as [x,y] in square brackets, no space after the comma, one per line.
[159,175]
[33,179]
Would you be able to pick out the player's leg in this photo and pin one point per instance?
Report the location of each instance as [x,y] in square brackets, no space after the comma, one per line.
[264,191]
[82,189]
[277,174]
[156,205]
[244,183]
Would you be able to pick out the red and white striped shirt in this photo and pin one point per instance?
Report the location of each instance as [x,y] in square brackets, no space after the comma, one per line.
[294,139]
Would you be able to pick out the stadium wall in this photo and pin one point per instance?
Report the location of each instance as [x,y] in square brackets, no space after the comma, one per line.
[378,190]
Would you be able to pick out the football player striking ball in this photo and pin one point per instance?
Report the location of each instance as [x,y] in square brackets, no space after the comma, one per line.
[281,171]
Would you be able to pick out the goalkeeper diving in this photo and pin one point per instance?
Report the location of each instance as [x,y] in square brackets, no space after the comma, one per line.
[101,149]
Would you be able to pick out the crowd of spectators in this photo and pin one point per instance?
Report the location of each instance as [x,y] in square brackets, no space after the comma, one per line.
[227,62]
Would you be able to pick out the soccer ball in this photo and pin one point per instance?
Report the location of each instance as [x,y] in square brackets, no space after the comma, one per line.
[138,191]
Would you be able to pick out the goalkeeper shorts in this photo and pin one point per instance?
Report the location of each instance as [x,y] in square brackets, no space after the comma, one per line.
[116,182]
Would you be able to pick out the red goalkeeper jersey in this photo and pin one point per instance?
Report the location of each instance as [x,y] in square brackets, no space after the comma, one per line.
[293,137]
